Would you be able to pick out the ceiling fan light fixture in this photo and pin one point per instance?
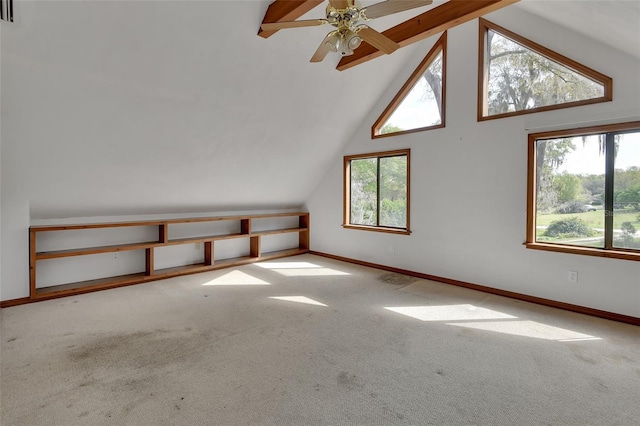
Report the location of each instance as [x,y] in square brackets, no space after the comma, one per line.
[333,41]
[347,41]
[343,47]
[354,41]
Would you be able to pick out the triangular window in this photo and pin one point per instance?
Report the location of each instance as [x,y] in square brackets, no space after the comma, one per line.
[419,105]
[518,76]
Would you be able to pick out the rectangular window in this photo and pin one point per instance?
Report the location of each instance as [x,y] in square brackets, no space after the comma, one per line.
[584,191]
[376,191]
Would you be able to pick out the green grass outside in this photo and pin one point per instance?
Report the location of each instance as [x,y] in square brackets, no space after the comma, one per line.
[540,237]
[593,219]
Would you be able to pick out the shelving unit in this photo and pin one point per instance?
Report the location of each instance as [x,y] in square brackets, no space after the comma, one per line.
[148,270]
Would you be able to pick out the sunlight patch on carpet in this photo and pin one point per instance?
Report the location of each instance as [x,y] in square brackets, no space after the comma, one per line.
[298,299]
[469,316]
[528,329]
[236,277]
[448,313]
[300,269]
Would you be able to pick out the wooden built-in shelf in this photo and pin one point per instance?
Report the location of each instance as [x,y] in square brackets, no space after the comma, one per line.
[94,250]
[150,273]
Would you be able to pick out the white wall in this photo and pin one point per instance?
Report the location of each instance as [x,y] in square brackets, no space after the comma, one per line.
[468,183]
[138,108]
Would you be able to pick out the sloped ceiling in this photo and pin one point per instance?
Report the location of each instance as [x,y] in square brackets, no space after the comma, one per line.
[143,107]
[613,22]
[161,107]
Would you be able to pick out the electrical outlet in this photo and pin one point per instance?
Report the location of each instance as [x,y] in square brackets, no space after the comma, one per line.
[572,276]
[197,246]
[392,248]
[115,255]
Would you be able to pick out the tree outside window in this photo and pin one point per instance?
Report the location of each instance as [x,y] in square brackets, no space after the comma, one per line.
[377,191]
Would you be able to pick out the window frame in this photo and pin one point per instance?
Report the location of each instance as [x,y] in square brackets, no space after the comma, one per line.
[439,46]
[346,216]
[483,73]
[609,250]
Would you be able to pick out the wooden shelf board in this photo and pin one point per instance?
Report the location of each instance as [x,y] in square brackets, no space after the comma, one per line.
[206,238]
[91,285]
[281,253]
[243,260]
[240,217]
[94,225]
[180,270]
[43,228]
[233,261]
[266,216]
[95,250]
[279,231]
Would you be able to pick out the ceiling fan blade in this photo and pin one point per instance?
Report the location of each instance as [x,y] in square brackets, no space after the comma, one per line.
[339,4]
[378,40]
[392,6]
[292,24]
[323,50]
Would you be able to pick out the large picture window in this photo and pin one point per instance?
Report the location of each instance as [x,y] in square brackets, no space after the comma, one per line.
[376,191]
[584,191]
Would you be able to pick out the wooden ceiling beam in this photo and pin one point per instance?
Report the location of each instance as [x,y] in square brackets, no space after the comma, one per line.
[433,21]
[286,10]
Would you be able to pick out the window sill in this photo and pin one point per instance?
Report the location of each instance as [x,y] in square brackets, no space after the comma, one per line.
[377,229]
[615,254]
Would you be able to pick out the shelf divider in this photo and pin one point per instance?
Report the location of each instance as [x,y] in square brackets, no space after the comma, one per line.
[149,261]
[163,232]
[303,236]
[32,264]
[245,226]
[254,248]
[208,252]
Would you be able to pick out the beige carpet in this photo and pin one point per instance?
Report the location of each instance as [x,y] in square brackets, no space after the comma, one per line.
[311,341]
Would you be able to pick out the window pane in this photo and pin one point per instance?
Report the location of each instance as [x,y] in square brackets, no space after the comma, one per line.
[570,191]
[364,191]
[422,105]
[626,191]
[521,79]
[393,191]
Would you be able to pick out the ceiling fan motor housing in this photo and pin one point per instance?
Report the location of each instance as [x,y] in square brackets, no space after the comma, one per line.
[345,39]
[343,17]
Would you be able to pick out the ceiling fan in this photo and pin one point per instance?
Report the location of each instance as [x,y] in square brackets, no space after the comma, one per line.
[348,17]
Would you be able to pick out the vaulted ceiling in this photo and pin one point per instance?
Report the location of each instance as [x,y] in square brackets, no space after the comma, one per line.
[142,107]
